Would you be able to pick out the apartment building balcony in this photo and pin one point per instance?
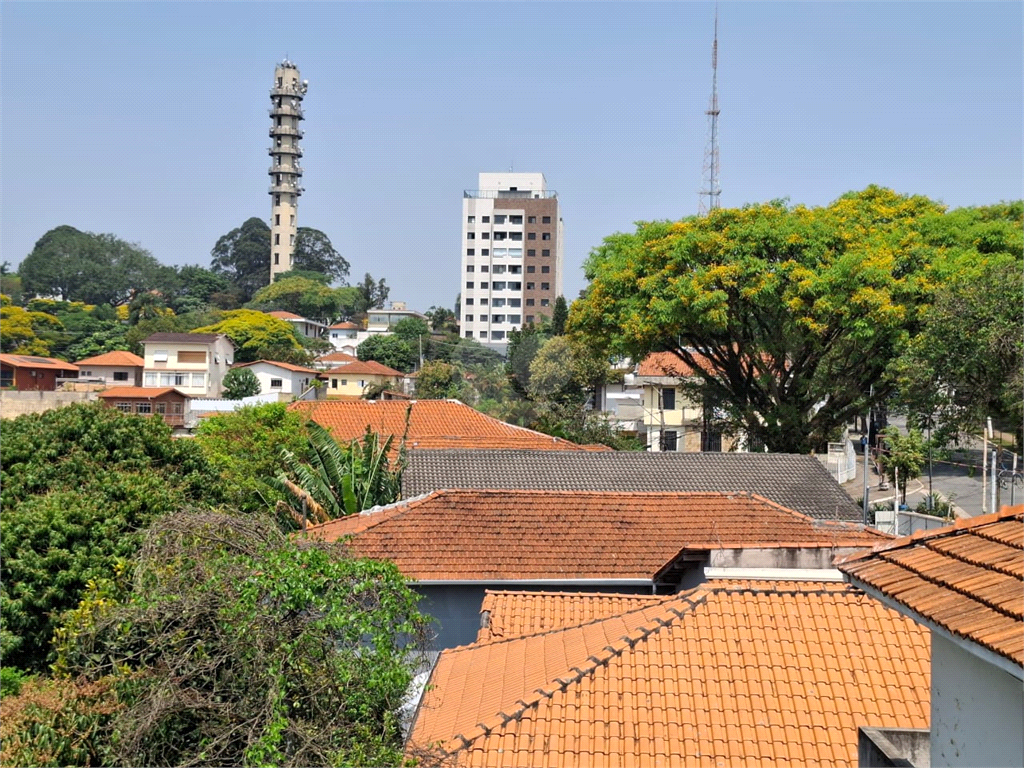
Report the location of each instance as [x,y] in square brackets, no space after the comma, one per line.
[285,130]
[287,110]
[286,149]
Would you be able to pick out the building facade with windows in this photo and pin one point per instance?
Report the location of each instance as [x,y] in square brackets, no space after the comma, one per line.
[115,369]
[512,254]
[194,363]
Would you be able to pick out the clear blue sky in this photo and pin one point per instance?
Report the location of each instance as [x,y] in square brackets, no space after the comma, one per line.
[149,120]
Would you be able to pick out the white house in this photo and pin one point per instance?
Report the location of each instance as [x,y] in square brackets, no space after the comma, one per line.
[964,583]
[194,363]
[345,337]
[284,379]
[311,329]
[115,369]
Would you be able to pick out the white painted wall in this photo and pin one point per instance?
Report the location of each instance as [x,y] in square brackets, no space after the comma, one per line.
[977,710]
[291,382]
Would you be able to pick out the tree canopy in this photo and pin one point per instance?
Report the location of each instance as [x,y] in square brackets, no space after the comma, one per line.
[313,252]
[239,383]
[302,295]
[389,350]
[256,335]
[243,257]
[785,315]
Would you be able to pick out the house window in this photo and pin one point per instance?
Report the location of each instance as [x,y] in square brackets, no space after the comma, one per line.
[145,408]
[192,357]
[150,379]
[160,356]
[710,442]
[668,399]
[161,407]
[277,216]
[276,383]
[334,383]
[198,379]
[277,258]
[124,407]
[177,409]
[546,220]
[118,375]
[670,440]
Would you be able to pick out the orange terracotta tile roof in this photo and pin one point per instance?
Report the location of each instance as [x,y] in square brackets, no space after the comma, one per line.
[147,393]
[346,326]
[283,315]
[116,358]
[666,364]
[723,674]
[432,424]
[487,535]
[285,366]
[337,357]
[967,578]
[34,361]
[364,368]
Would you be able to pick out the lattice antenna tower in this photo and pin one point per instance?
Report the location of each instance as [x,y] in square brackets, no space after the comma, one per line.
[711,191]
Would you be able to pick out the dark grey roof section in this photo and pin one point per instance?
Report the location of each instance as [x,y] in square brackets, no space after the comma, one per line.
[800,483]
[183,338]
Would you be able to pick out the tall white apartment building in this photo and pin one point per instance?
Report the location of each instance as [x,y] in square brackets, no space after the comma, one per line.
[512,250]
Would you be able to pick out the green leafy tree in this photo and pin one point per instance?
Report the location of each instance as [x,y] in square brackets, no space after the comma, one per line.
[559,316]
[196,287]
[256,335]
[523,345]
[237,645]
[245,449]
[23,332]
[338,480]
[239,383]
[902,458]
[243,257]
[303,296]
[786,315]
[372,295]
[10,284]
[443,320]
[78,483]
[438,380]
[388,350]
[146,306]
[313,252]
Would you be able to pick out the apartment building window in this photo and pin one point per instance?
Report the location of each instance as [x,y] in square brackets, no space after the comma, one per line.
[483,334]
[515,302]
[515,235]
[531,235]
[499,218]
[498,286]
[277,239]
[530,286]
[469,302]
[469,283]
[669,440]
[483,302]
[277,219]
[483,286]
[515,319]
[499,269]
[515,219]
[485,235]
[292,217]
[486,219]
[500,236]
[471,219]
[497,318]
[471,236]
[545,236]
[531,252]
[515,253]
[668,399]
[545,252]
[277,258]
[529,303]
[546,220]
[470,268]
[530,269]
[469,334]
[515,269]
[471,252]
[529,319]
[484,267]
[545,286]
[531,219]
[497,335]
[469,318]
[545,269]
[276,383]
[515,286]
[485,251]
[545,302]
[498,303]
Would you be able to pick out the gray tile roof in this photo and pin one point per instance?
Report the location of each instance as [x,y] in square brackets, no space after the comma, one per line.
[800,483]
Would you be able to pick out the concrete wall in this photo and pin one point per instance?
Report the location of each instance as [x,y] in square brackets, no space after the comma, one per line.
[14,404]
[977,710]
[778,557]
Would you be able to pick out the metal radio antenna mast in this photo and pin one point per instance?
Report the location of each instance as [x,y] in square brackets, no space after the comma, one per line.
[711,191]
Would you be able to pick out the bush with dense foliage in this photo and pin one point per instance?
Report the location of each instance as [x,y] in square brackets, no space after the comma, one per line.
[239,383]
[240,646]
[78,483]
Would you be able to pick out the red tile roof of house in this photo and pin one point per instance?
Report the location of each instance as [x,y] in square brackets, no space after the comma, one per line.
[492,535]
[136,393]
[432,424]
[285,366]
[754,673]
[967,578]
[667,364]
[34,361]
[118,358]
[283,315]
[365,368]
[337,357]
[344,327]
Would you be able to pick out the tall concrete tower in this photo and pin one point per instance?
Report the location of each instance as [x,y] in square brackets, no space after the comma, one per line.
[285,171]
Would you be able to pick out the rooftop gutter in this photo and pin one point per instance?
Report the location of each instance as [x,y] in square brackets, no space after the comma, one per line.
[545,582]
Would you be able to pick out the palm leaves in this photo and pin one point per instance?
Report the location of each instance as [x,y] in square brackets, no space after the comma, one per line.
[339,480]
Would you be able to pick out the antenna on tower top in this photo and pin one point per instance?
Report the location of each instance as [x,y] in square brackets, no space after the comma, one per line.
[711,191]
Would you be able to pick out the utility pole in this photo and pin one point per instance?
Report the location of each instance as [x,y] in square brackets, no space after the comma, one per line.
[995,483]
[866,442]
[984,464]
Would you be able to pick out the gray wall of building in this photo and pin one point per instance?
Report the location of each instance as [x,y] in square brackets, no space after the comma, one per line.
[14,404]
[977,710]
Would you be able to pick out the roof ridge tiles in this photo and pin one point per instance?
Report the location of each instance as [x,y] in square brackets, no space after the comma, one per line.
[614,650]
